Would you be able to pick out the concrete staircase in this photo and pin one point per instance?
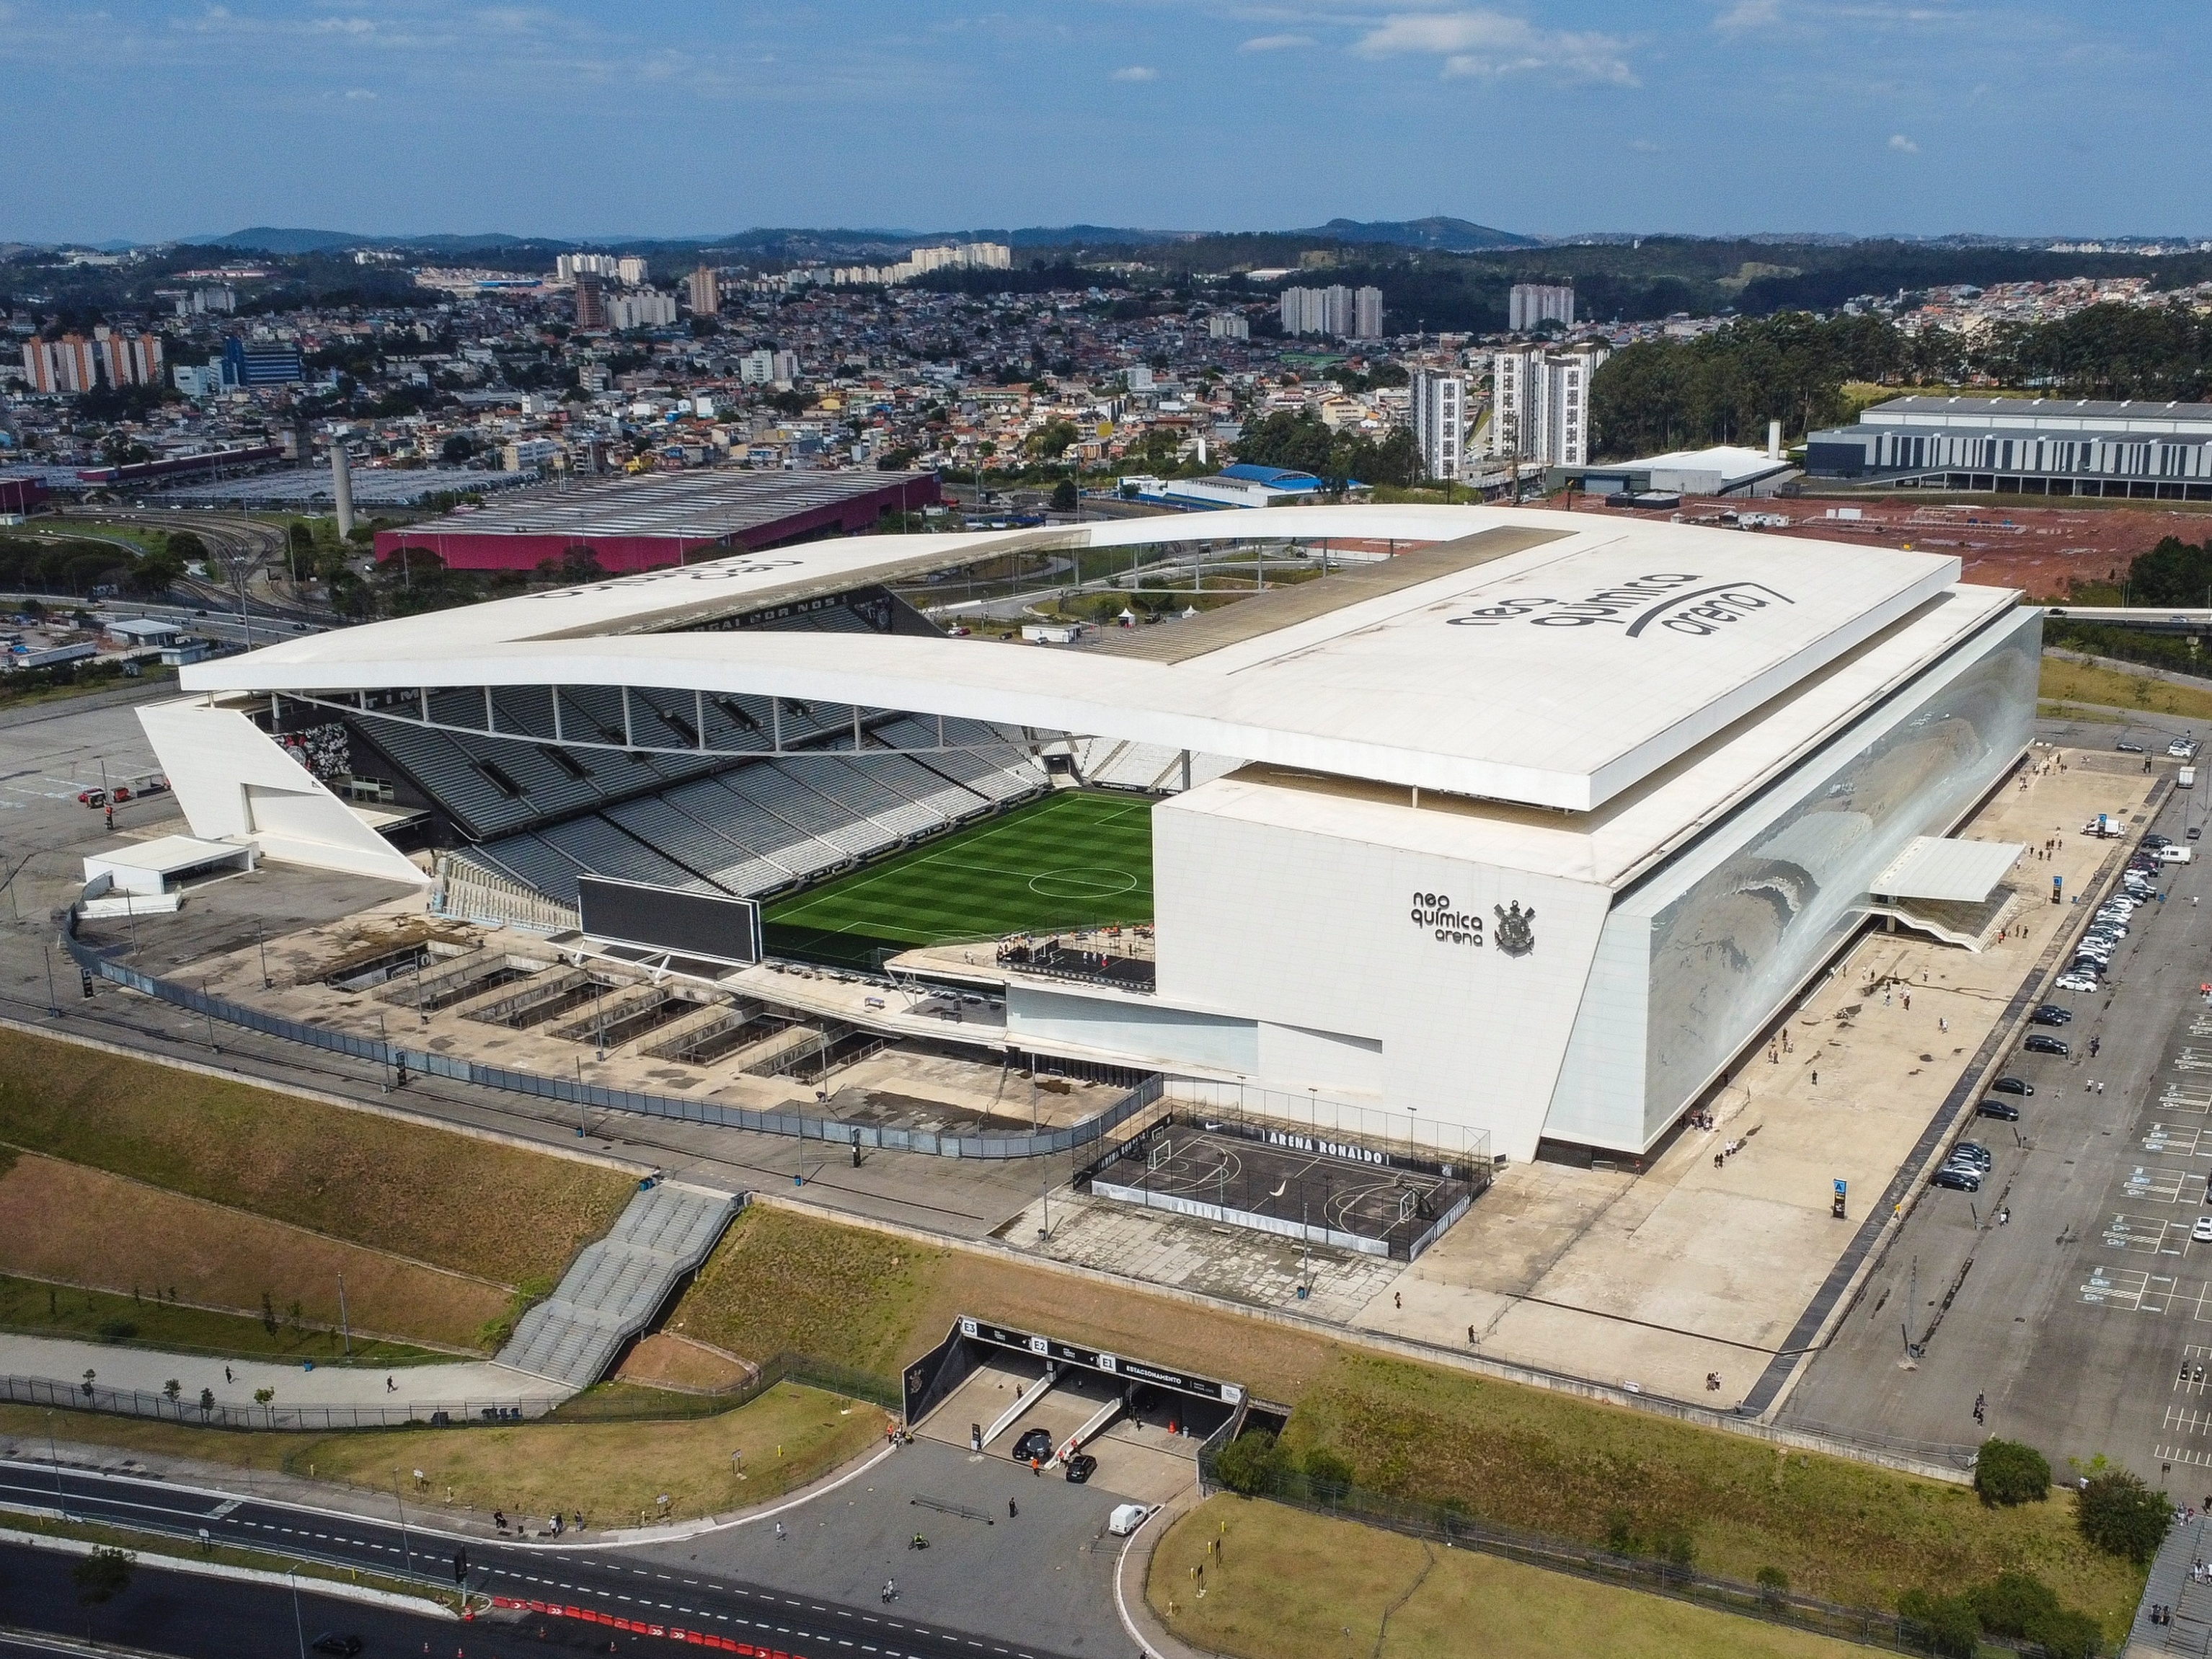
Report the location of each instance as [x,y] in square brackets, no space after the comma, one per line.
[613,1290]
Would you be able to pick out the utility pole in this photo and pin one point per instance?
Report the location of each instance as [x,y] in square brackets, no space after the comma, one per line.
[345,1325]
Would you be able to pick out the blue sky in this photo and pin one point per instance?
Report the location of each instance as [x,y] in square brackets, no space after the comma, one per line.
[702,115]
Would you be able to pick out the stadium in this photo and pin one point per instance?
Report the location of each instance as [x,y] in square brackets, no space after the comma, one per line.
[1518,825]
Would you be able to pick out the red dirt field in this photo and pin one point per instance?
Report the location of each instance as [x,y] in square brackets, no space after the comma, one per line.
[2037,549]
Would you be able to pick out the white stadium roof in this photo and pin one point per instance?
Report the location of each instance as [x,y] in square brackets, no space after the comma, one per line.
[1548,659]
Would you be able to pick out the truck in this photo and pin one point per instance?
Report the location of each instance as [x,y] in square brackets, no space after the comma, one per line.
[2104,826]
[2186,778]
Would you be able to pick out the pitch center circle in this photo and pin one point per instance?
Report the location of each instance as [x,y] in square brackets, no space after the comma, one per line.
[1081,883]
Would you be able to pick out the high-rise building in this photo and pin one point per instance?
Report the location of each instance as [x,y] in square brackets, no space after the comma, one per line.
[570,266]
[591,301]
[647,308]
[764,367]
[1439,420]
[1338,310]
[77,363]
[199,301]
[1530,305]
[629,270]
[1540,406]
[249,364]
[1228,325]
[705,292]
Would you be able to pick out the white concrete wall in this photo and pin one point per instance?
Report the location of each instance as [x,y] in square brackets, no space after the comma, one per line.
[1312,933]
[1144,1030]
[234,784]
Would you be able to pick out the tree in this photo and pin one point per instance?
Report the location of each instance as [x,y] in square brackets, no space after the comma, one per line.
[171,1389]
[1064,495]
[100,1576]
[457,449]
[207,1401]
[157,573]
[185,547]
[1948,1624]
[2121,1516]
[2007,1472]
[1328,1476]
[1251,1463]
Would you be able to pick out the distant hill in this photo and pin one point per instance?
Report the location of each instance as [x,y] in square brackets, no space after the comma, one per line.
[1446,234]
[270,238]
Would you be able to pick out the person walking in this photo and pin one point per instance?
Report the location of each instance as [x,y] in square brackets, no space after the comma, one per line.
[1012,1508]
[1981,1407]
[227,1376]
[779,1532]
[891,1589]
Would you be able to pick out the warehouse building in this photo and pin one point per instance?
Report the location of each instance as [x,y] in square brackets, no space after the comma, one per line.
[2035,446]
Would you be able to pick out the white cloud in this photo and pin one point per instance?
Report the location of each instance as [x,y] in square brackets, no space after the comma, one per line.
[1490,44]
[1903,145]
[357,94]
[1644,147]
[1276,42]
[1136,72]
[1748,15]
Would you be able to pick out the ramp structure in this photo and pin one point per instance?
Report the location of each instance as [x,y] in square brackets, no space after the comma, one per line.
[616,1284]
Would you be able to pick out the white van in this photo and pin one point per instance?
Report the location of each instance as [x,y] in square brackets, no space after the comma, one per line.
[1125,1519]
[2186,778]
[2173,855]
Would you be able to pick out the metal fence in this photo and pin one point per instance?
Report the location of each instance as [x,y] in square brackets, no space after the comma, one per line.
[620,1405]
[188,1409]
[403,1063]
[1320,1116]
[1419,1519]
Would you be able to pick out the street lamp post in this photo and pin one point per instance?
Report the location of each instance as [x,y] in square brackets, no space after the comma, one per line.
[406,1550]
[298,1630]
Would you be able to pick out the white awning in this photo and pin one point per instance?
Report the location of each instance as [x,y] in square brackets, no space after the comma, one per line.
[1937,867]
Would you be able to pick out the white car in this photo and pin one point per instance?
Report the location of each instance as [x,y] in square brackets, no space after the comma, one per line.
[2201,1232]
[2075,983]
[1126,1518]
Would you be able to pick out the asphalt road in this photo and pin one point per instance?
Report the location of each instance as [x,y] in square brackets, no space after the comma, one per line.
[2072,1318]
[621,1581]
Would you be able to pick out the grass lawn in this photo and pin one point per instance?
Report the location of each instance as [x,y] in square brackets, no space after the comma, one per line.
[1849,1532]
[610,1471]
[144,1322]
[2112,688]
[471,1206]
[61,1221]
[1072,860]
[1290,1585]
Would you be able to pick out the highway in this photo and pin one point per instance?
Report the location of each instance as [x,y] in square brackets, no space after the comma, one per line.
[607,1579]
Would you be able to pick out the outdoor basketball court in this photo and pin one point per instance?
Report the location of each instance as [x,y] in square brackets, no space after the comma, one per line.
[1288,1182]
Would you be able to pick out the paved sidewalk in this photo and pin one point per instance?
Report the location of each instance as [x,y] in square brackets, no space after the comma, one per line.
[234,1381]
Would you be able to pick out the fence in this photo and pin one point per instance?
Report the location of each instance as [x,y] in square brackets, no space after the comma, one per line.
[1679,1580]
[1446,1144]
[594,1405]
[404,1063]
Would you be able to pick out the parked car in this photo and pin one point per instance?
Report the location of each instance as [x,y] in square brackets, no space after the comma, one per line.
[2201,1232]
[2050,1016]
[2013,1086]
[92,797]
[1958,1181]
[2156,841]
[345,1645]
[1035,1445]
[2173,855]
[1081,1467]
[2003,1110]
[2127,748]
[2074,982]
[2036,1044]
[1125,1519]
[2194,830]
[1972,1152]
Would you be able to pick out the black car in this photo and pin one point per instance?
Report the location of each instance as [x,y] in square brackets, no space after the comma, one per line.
[2003,1110]
[1034,1446]
[1081,1467]
[2036,1044]
[2158,841]
[1958,1180]
[345,1645]
[2048,1015]
[2013,1086]
[1971,1152]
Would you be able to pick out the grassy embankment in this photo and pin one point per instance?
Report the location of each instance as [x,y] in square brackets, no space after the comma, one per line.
[1290,1585]
[150,1179]
[1845,1531]
[2066,684]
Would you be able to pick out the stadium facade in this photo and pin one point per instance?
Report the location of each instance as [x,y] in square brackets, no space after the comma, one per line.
[2037,447]
[1532,829]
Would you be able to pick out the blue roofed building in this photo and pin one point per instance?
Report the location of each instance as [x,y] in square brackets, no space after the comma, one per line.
[1243,484]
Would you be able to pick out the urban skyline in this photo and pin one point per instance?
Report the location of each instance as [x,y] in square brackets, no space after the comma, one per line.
[1694,116]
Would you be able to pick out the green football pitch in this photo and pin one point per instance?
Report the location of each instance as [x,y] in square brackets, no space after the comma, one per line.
[1069,860]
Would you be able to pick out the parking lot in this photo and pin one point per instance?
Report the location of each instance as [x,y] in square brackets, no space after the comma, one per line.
[2071,1290]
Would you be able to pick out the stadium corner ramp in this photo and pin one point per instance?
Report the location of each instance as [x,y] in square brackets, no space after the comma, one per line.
[618,1284]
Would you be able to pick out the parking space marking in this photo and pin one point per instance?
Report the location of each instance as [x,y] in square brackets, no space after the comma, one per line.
[2145,1234]
[2193,1060]
[2162,1186]
[2178,1140]
[2186,1097]
[2197,1454]
[2194,1375]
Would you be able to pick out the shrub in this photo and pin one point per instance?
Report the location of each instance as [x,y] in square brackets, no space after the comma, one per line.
[116,1330]
[2014,1604]
[2121,1516]
[1329,1475]
[2005,1472]
[1251,1463]
[1946,1624]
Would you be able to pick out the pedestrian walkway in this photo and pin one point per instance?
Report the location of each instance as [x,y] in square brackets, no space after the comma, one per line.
[63,1366]
[618,1284]
[2171,1585]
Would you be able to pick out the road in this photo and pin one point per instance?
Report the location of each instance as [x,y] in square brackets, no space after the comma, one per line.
[2073,1317]
[611,1580]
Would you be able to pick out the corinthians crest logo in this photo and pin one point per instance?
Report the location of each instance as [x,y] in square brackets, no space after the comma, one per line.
[1515,935]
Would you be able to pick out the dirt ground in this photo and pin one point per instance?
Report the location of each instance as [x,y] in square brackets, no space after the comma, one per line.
[63,1221]
[664,1360]
[2036,549]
